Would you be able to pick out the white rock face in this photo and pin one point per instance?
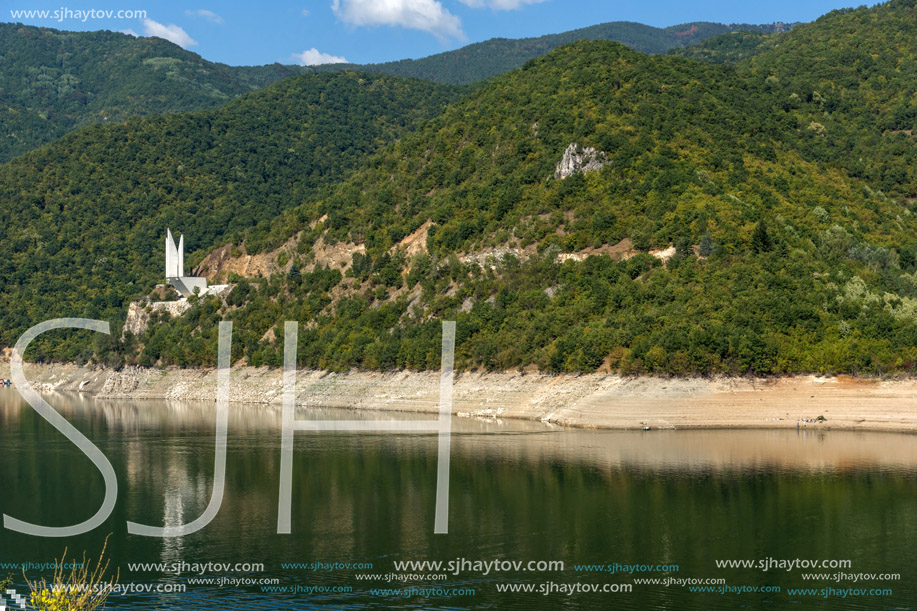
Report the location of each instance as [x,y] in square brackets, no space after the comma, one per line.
[124,382]
[579,159]
[664,255]
[174,308]
[138,319]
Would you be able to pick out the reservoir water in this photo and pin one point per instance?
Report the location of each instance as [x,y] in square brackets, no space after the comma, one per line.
[562,510]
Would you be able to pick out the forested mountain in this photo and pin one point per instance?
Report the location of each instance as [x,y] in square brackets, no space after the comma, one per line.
[498,55]
[84,217]
[852,76]
[753,218]
[729,48]
[783,262]
[52,81]
[261,76]
[849,77]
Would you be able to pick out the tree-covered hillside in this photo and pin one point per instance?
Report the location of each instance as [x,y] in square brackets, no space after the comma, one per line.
[783,262]
[84,218]
[729,48]
[850,77]
[498,55]
[738,219]
[52,81]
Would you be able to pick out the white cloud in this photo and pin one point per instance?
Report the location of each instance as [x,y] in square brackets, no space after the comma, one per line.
[499,5]
[130,32]
[170,32]
[208,15]
[314,57]
[305,12]
[425,15]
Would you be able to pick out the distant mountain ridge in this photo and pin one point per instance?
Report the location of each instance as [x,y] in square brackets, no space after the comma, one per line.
[53,81]
[482,60]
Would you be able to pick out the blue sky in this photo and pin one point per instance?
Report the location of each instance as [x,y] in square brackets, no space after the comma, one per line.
[367,31]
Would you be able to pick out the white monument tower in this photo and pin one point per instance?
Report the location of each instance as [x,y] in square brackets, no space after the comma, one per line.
[175,268]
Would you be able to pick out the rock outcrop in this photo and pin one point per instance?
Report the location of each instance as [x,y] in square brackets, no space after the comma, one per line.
[579,159]
[138,313]
[137,319]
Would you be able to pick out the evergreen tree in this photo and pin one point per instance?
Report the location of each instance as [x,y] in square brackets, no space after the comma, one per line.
[761,240]
[707,247]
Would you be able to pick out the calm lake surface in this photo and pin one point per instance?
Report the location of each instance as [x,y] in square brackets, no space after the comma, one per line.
[519,492]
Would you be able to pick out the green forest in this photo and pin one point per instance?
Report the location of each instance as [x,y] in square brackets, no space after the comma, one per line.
[88,214]
[775,170]
[54,81]
[482,60]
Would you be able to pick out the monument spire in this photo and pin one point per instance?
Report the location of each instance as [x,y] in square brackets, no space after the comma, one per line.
[175,268]
[170,255]
[180,266]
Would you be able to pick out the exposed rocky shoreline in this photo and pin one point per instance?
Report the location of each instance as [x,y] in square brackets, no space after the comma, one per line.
[590,401]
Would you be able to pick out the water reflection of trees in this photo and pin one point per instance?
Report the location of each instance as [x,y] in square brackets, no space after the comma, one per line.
[518,489]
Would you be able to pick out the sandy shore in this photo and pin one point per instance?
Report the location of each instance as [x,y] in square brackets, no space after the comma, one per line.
[589,401]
